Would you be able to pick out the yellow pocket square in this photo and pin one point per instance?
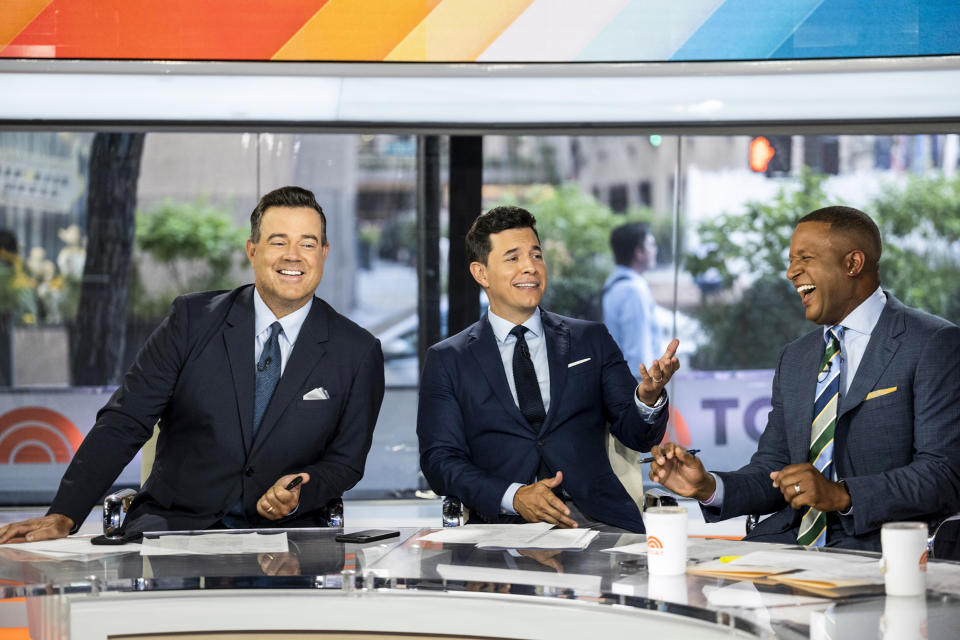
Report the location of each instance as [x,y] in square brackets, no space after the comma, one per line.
[876,393]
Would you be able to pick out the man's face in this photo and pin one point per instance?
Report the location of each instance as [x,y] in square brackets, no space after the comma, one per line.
[819,270]
[515,275]
[288,259]
[647,254]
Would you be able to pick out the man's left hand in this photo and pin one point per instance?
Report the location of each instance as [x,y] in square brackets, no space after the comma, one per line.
[278,502]
[814,489]
[654,379]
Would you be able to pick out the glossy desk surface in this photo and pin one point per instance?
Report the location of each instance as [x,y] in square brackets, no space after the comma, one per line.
[592,579]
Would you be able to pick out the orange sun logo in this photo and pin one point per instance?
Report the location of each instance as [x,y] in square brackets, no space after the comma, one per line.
[37,435]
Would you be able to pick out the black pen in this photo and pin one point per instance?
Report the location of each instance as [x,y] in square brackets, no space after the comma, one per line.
[294,483]
[651,458]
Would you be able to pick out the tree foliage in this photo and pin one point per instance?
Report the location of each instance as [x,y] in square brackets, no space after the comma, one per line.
[747,325]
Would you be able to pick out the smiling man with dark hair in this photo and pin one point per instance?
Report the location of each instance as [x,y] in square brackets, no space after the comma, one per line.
[513,409]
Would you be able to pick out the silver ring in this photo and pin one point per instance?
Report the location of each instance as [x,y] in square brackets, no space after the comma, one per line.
[657,380]
[796,488]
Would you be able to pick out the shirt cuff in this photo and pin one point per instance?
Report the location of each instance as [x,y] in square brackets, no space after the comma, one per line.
[646,411]
[506,504]
[716,500]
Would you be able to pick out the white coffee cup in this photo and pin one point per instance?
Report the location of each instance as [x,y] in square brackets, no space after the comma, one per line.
[667,588]
[904,618]
[904,562]
[666,540]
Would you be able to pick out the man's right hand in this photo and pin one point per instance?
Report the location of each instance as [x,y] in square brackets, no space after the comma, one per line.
[681,472]
[537,503]
[48,527]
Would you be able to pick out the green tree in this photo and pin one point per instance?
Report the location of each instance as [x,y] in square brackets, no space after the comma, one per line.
[575,231]
[920,227]
[749,331]
[199,243]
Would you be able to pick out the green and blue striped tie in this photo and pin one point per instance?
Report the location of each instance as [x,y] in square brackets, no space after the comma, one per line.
[813,526]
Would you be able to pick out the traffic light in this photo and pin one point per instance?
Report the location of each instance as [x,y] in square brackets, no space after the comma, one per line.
[771,155]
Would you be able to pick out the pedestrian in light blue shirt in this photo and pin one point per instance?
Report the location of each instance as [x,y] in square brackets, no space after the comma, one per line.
[629,310]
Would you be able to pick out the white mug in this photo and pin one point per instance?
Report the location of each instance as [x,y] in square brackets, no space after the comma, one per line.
[904,618]
[904,562]
[666,540]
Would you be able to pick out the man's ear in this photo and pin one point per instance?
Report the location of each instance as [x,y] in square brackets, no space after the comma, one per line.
[854,262]
[479,272]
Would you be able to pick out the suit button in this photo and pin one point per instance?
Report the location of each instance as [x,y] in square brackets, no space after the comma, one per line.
[248,472]
[539,443]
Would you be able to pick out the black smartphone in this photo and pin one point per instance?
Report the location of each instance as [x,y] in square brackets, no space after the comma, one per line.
[367,535]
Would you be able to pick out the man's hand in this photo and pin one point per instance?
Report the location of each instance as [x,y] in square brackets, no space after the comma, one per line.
[278,502]
[815,490]
[546,557]
[48,527]
[681,472]
[279,564]
[653,381]
[537,503]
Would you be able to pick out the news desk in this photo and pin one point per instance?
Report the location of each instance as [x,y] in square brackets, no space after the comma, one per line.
[405,587]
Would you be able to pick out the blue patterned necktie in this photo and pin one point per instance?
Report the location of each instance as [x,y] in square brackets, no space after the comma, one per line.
[268,374]
[813,526]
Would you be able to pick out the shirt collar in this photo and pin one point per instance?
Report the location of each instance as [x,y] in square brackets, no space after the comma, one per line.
[865,317]
[501,328]
[291,323]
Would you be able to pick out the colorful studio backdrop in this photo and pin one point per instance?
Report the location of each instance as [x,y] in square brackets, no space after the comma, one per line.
[471,31]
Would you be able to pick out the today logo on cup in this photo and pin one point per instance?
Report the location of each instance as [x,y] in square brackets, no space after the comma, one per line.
[654,546]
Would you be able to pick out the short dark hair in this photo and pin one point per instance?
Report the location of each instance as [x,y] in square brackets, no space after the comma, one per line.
[494,221]
[625,239]
[853,223]
[286,197]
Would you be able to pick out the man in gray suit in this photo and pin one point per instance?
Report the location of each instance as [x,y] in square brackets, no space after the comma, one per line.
[865,420]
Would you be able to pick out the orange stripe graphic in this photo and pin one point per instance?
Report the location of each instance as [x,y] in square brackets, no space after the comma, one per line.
[355,30]
[16,15]
[457,30]
[173,30]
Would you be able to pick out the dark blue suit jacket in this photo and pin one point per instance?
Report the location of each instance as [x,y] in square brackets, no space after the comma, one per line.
[897,440]
[196,374]
[474,442]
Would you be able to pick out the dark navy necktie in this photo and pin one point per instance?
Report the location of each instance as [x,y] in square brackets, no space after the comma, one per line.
[525,380]
[268,374]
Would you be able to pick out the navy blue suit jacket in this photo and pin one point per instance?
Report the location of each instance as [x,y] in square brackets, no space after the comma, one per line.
[196,374]
[474,442]
[897,439]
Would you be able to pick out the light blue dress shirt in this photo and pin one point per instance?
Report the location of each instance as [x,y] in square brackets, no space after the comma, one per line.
[858,327]
[538,354]
[629,311]
[291,323]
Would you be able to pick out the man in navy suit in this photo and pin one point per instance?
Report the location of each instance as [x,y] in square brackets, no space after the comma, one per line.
[513,409]
[253,387]
[894,453]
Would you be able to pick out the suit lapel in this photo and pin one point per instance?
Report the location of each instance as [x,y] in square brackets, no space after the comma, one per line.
[238,340]
[305,357]
[884,342]
[483,345]
[557,335]
[807,388]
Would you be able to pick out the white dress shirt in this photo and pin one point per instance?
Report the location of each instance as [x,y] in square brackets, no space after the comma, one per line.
[263,318]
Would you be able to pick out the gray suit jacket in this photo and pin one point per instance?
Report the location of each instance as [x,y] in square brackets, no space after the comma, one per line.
[898,450]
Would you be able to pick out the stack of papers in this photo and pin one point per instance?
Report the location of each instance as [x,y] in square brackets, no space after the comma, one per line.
[71,548]
[828,574]
[214,544]
[535,535]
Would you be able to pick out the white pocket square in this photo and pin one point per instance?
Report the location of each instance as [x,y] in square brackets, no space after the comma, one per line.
[573,364]
[317,394]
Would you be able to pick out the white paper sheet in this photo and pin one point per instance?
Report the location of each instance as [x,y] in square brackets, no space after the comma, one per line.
[215,544]
[705,548]
[72,547]
[581,584]
[516,534]
[554,539]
